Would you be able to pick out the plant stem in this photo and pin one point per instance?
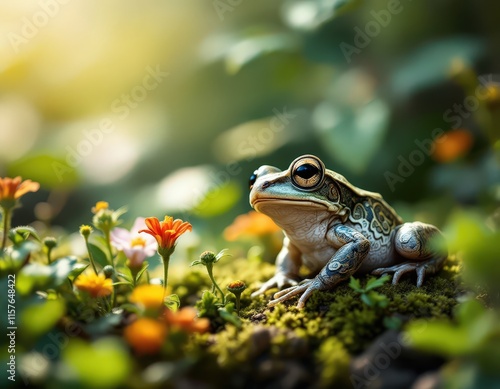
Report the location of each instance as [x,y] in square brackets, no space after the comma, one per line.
[49,250]
[6,226]
[166,261]
[108,244]
[90,255]
[210,274]
[237,304]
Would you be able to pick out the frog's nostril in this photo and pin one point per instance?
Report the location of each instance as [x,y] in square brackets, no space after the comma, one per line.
[266,184]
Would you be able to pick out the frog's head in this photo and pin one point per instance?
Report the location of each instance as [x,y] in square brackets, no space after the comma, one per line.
[306,183]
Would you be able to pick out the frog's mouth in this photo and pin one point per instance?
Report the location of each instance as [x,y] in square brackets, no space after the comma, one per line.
[262,205]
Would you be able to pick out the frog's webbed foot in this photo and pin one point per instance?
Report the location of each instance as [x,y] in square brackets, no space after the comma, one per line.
[403,268]
[278,280]
[306,287]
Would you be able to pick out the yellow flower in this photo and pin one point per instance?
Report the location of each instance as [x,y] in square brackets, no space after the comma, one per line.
[100,205]
[97,285]
[145,335]
[149,296]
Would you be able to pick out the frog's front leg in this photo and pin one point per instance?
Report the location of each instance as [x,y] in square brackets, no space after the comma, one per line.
[353,247]
[414,242]
[287,268]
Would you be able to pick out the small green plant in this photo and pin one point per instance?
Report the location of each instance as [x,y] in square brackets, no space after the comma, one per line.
[208,259]
[368,294]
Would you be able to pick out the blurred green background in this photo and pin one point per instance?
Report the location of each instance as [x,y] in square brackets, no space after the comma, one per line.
[169,106]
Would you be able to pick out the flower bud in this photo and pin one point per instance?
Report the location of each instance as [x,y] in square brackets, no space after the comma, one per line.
[85,230]
[108,271]
[50,242]
[207,257]
[236,287]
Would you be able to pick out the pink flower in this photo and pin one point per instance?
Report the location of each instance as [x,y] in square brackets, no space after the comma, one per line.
[136,247]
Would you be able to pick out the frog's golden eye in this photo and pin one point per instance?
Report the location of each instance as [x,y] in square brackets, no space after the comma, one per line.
[307,172]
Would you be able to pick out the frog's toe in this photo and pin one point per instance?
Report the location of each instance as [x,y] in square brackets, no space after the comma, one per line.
[287,294]
[402,269]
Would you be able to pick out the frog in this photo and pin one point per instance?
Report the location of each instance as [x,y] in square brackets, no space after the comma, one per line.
[336,230]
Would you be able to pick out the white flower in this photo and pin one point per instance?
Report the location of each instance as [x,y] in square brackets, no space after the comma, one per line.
[136,247]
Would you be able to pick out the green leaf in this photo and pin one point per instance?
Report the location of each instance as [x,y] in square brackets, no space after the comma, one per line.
[309,15]
[255,47]
[78,269]
[439,337]
[197,262]
[40,316]
[227,315]
[35,276]
[392,322]
[49,171]
[356,285]
[352,134]
[102,364]
[20,252]
[378,299]
[218,200]
[207,305]
[173,302]
[430,64]
[141,272]
[98,254]
[376,282]
[367,300]
[24,232]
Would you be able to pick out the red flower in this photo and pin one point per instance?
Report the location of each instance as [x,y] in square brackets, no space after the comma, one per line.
[166,232]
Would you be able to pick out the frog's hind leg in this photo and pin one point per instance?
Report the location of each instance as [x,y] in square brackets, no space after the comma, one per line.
[415,242]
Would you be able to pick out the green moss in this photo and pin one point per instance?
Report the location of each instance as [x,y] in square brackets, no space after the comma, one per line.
[333,326]
[332,361]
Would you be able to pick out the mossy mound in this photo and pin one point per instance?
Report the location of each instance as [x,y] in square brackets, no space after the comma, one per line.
[287,347]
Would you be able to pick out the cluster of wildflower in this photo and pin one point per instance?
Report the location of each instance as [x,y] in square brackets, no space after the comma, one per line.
[115,276]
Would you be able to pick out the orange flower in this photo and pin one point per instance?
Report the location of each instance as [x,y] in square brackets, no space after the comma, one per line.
[252,223]
[452,145]
[95,284]
[166,232]
[14,188]
[145,335]
[186,320]
[150,296]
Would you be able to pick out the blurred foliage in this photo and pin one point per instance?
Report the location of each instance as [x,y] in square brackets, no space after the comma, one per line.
[169,106]
[206,92]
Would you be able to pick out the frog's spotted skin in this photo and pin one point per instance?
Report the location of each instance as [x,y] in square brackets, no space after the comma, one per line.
[336,229]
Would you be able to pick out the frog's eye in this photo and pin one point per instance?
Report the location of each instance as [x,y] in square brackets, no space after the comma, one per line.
[307,172]
[252,179]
